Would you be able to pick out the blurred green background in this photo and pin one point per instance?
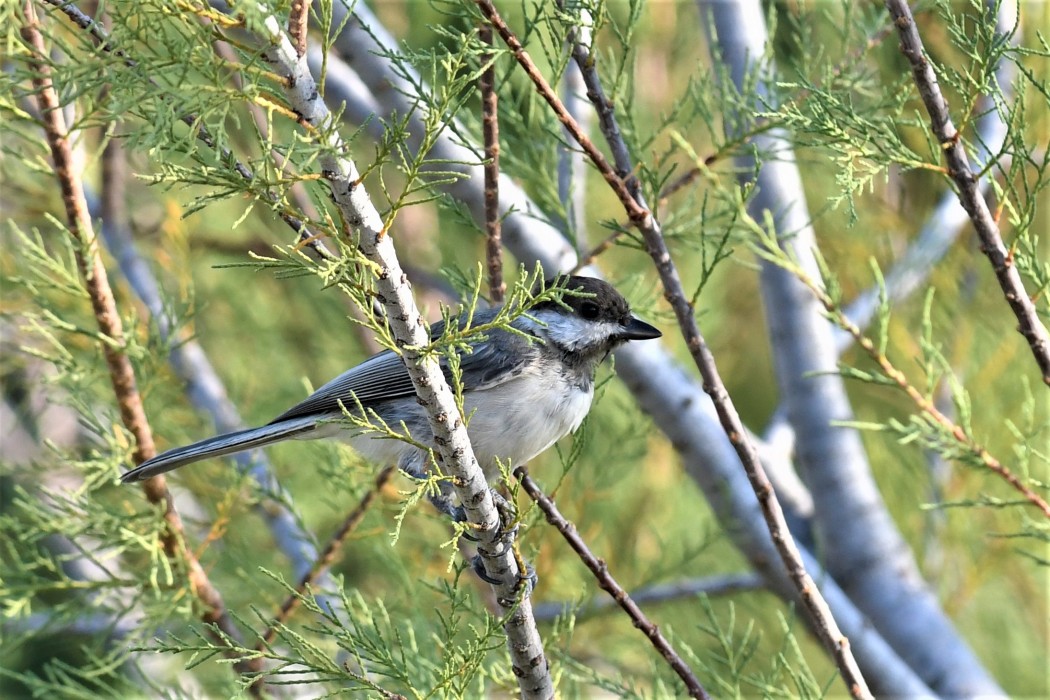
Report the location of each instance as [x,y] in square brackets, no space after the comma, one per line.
[269,338]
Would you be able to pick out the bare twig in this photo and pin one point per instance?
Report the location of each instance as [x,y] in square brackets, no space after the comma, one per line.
[490,132]
[813,602]
[637,213]
[606,113]
[122,375]
[969,193]
[609,584]
[366,228]
[325,558]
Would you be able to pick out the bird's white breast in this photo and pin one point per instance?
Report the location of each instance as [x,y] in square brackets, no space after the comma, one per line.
[517,420]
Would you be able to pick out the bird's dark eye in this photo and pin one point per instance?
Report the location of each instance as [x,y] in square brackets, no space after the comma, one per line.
[589,310]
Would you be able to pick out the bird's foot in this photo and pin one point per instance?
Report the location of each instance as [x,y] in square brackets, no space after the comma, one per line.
[447,506]
[508,514]
[506,510]
[528,578]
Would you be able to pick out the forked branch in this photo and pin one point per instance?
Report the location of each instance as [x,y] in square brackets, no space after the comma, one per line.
[813,602]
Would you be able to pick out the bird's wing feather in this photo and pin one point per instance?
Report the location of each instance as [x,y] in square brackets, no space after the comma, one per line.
[383,377]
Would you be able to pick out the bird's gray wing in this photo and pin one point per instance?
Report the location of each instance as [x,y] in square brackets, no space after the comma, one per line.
[383,377]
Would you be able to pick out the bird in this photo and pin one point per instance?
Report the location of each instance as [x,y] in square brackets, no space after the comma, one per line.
[523,389]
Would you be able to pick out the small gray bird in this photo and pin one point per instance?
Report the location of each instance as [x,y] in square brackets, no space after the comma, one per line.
[523,392]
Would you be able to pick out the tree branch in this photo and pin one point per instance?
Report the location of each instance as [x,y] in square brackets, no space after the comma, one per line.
[365,227]
[122,375]
[609,584]
[969,191]
[490,133]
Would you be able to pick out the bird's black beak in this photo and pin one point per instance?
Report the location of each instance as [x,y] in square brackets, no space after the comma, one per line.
[637,329]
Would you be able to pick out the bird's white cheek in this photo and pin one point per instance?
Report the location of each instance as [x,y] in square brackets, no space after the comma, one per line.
[576,333]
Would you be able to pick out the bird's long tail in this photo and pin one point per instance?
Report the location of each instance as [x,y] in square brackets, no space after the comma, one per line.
[222,445]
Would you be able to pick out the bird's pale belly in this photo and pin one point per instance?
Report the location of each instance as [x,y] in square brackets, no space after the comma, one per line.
[516,425]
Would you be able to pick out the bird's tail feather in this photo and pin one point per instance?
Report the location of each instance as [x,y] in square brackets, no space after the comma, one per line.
[221,445]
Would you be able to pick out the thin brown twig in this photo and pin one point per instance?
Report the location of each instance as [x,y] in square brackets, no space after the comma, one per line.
[692,174]
[823,622]
[306,236]
[490,132]
[636,213]
[325,558]
[122,375]
[922,402]
[609,584]
[969,192]
[679,183]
